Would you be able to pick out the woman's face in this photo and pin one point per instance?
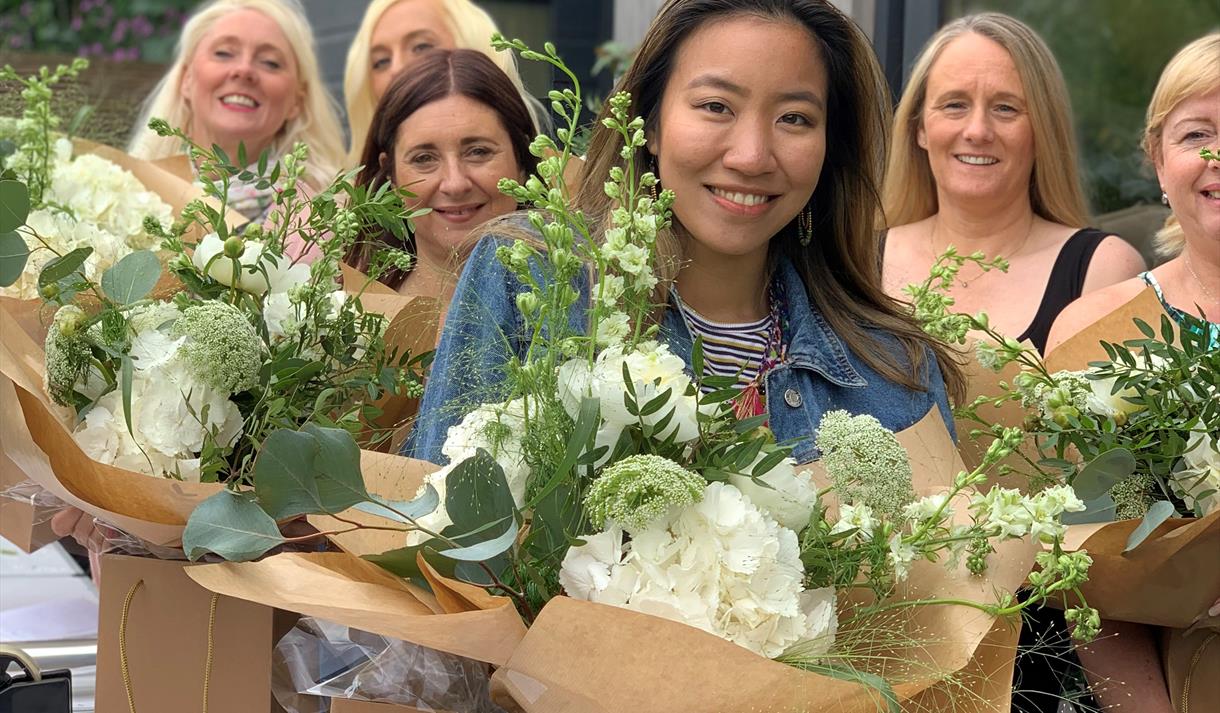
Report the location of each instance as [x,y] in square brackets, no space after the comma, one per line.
[975,123]
[403,33]
[742,132]
[451,153]
[242,83]
[1192,184]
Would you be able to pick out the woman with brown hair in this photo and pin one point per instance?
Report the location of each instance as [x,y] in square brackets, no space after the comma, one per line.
[768,119]
[447,132]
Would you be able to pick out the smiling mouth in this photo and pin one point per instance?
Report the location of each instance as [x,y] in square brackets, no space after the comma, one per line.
[1214,195]
[239,100]
[745,200]
[459,213]
[976,160]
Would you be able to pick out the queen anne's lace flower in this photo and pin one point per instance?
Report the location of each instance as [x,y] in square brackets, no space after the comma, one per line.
[865,461]
[221,346]
[68,354]
[639,490]
[720,565]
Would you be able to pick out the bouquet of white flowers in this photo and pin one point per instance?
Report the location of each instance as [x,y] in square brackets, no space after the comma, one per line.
[611,474]
[188,385]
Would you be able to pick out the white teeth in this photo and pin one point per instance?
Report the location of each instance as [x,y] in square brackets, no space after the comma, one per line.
[239,100]
[1212,194]
[746,199]
[977,160]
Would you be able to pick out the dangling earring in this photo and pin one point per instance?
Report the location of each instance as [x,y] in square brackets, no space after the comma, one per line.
[1164,198]
[804,225]
[652,166]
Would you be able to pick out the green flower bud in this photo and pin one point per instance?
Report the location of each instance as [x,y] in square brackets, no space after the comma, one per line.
[234,246]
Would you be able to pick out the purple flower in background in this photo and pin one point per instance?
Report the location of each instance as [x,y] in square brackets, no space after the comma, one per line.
[87,5]
[27,9]
[120,31]
[16,42]
[141,27]
[77,23]
[96,48]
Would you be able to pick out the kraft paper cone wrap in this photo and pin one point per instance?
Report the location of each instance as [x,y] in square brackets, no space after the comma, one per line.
[580,656]
[343,588]
[37,435]
[1172,576]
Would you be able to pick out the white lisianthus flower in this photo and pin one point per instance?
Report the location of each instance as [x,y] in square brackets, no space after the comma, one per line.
[858,517]
[612,330]
[1047,507]
[654,370]
[1006,509]
[1102,401]
[282,275]
[1200,473]
[720,565]
[790,498]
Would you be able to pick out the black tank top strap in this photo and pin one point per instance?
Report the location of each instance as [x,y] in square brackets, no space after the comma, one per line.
[1065,284]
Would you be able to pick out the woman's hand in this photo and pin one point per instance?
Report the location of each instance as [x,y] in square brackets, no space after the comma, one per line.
[80,526]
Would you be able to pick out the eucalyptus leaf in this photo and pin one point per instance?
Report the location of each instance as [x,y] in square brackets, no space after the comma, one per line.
[63,266]
[476,493]
[133,277]
[14,205]
[1097,510]
[402,561]
[231,525]
[423,505]
[14,254]
[1160,511]
[486,549]
[337,468]
[284,477]
[1101,473]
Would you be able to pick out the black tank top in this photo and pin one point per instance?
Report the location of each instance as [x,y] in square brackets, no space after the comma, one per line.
[1065,284]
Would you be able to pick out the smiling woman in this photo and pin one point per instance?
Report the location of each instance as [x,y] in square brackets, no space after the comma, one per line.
[245,73]
[447,132]
[767,119]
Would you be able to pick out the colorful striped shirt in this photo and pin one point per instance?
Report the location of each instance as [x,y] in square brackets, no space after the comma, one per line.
[735,350]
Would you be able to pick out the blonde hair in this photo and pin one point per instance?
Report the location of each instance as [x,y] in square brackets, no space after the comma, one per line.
[317,124]
[1193,71]
[1055,193]
[471,28]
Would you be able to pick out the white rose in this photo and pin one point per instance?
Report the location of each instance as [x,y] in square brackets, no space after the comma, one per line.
[791,497]
[1199,474]
[282,275]
[1102,402]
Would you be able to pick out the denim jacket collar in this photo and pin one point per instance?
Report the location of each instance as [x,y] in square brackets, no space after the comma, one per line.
[811,343]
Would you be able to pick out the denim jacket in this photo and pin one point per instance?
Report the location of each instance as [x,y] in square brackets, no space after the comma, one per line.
[820,373]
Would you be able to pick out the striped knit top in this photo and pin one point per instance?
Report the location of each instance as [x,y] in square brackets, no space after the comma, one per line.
[730,349]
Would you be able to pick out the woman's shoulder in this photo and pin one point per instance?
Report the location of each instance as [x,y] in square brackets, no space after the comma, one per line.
[1091,307]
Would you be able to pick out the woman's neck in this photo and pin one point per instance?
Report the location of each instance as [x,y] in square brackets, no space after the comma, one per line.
[1199,275]
[434,275]
[997,230]
[724,288]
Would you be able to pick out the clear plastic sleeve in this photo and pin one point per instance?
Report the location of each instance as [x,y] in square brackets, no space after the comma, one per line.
[320,660]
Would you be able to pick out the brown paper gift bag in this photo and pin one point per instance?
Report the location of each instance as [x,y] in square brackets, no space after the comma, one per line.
[164,643]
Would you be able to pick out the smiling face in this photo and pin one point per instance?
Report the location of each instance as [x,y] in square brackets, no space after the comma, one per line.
[975,123]
[1192,184]
[242,83]
[742,132]
[451,153]
[403,34]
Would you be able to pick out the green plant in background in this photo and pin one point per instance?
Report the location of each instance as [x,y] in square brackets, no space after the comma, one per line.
[120,30]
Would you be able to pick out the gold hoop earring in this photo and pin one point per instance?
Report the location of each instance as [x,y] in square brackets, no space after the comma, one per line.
[652,167]
[804,225]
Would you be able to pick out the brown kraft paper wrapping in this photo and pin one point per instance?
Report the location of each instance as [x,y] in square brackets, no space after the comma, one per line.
[586,657]
[166,638]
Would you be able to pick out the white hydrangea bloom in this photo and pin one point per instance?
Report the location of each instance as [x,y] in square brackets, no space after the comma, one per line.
[100,191]
[720,565]
[790,498]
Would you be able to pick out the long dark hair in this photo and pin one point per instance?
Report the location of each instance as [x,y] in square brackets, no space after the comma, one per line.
[442,73]
[840,267]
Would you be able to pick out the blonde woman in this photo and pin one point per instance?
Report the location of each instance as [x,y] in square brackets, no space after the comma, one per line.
[983,158]
[1183,119]
[245,72]
[394,34]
